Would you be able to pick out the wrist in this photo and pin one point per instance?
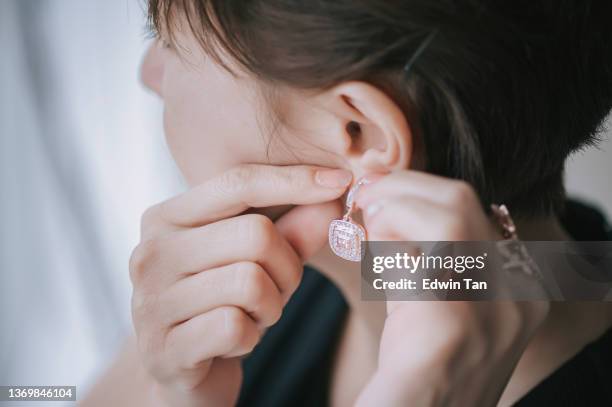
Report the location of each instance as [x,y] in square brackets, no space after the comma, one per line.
[156,394]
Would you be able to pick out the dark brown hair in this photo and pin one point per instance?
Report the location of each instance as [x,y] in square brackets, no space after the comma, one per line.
[501,96]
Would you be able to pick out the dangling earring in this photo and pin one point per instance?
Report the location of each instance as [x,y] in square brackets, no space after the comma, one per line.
[345,236]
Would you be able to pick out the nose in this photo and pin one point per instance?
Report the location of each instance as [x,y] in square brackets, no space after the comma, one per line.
[152,68]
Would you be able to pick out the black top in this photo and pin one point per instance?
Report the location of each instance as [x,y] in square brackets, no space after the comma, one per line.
[291,366]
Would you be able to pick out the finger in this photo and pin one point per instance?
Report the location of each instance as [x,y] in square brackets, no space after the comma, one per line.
[162,261]
[223,332]
[243,284]
[306,227]
[411,219]
[254,185]
[190,390]
[441,190]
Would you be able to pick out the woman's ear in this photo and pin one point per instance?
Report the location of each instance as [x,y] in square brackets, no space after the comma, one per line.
[372,133]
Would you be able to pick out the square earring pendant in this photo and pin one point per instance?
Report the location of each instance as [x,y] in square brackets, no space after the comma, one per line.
[346,238]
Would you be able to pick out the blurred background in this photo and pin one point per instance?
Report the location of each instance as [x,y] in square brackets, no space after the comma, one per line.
[82,155]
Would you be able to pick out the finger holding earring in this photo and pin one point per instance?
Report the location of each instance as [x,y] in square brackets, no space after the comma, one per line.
[346,236]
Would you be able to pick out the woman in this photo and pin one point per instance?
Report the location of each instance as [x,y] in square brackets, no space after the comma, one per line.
[272,110]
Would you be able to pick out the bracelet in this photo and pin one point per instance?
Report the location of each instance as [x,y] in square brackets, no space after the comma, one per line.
[514,254]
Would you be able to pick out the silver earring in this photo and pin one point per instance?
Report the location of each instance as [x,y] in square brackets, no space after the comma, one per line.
[345,236]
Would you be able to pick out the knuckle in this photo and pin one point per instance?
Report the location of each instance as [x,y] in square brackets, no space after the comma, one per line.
[189,379]
[261,233]
[235,327]
[295,278]
[250,344]
[143,307]
[234,181]
[462,192]
[150,216]
[275,312]
[142,258]
[292,176]
[454,228]
[254,283]
[180,362]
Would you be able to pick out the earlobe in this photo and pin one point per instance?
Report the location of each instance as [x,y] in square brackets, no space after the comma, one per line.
[377,134]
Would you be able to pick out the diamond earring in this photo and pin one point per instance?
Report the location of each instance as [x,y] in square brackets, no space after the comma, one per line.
[346,236]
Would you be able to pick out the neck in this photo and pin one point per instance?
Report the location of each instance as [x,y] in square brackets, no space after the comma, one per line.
[544,228]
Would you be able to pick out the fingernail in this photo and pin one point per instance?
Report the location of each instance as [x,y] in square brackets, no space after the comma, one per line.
[333,178]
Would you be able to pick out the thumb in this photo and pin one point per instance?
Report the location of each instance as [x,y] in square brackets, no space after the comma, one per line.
[306,226]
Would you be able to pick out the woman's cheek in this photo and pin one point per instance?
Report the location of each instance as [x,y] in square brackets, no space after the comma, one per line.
[200,151]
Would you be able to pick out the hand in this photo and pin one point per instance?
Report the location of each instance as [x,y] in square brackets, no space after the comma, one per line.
[208,279]
[436,353]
